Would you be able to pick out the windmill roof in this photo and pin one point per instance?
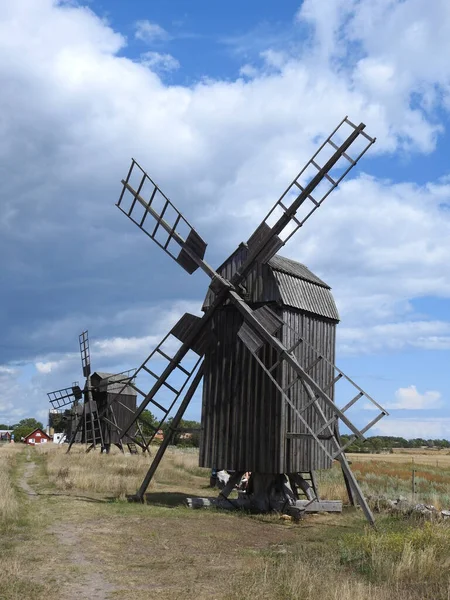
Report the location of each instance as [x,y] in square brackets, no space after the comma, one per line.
[296,269]
[113,383]
[284,281]
[35,431]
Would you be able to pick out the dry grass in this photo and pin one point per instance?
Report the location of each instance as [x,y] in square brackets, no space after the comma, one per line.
[9,506]
[16,581]
[411,573]
[438,458]
[174,553]
[391,479]
[117,474]
[122,474]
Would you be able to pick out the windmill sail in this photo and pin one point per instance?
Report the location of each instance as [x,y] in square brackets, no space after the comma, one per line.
[65,396]
[151,210]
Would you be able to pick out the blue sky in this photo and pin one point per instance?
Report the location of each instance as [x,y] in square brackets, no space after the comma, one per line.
[222,104]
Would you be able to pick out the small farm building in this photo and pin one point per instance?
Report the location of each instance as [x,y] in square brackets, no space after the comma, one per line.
[37,437]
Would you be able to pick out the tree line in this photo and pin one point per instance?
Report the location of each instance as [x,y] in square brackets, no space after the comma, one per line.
[383,443]
[188,434]
[22,428]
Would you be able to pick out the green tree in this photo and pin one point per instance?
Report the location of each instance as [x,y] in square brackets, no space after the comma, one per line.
[148,423]
[60,421]
[375,444]
[24,427]
[192,438]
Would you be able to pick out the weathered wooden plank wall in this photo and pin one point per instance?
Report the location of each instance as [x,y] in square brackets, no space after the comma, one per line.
[244,419]
[305,454]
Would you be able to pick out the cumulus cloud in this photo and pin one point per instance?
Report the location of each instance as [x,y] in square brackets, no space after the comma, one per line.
[409,398]
[149,32]
[386,48]
[425,428]
[75,109]
[13,406]
[369,339]
[159,62]
[386,245]
[46,367]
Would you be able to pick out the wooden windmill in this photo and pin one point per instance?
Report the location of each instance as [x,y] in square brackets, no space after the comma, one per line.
[85,423]
[269,401]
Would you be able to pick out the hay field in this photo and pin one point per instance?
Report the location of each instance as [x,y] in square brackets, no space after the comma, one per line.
[94,544]
[380,475]
[9,506]
[439,458]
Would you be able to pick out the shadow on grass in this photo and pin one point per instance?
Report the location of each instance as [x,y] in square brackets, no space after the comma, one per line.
[76,497]
[165,499]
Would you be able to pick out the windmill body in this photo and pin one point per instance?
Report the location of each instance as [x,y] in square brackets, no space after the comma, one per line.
[245,423]
[265,345]
[104,387]
[95,414]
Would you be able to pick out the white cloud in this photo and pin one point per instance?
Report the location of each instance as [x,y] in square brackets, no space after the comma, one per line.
[12,404]
[248,71]
[7,370]
[159,62]
[409,398]
[74,110]
[425,428]
[155,322]
[394,51]
[119,346]
[46,367]
[380,245]
[150,32]
[369,339]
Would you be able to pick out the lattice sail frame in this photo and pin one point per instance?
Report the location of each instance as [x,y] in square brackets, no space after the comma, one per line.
[304,184]
[85,353]
[162,356]
[65,396]
[340,152]
[277,228]
[172,231]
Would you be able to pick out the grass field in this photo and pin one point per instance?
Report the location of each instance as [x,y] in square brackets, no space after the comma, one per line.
[67,531]
[419,457]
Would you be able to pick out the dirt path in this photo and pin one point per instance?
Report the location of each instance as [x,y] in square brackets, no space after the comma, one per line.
[67,541]
[90,583]
[27,474]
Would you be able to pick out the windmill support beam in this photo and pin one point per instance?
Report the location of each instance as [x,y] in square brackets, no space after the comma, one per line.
[168,438]
[74,435]
[349,477]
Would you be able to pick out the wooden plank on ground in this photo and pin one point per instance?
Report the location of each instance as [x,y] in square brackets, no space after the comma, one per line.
[319,505]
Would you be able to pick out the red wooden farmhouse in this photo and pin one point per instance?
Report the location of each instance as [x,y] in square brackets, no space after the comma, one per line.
[37,437]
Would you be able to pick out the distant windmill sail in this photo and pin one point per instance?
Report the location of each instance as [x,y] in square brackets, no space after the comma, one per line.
[96,421]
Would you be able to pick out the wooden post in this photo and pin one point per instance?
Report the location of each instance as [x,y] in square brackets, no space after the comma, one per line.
[167,439]
[413,482]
